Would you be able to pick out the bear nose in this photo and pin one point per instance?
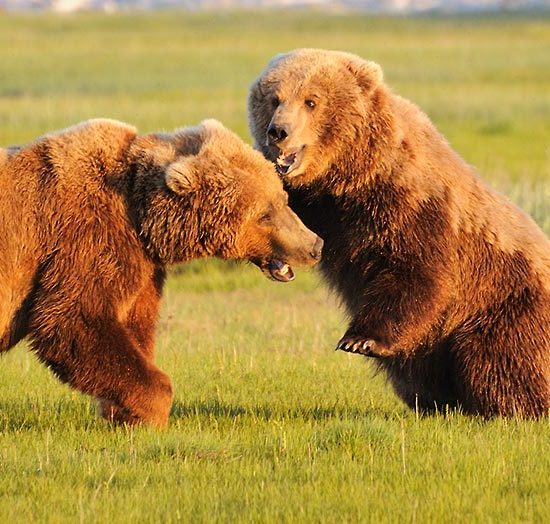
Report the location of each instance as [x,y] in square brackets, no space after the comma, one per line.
[317,249]
[276,134]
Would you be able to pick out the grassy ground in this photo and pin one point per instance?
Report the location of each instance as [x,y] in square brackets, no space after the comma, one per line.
[269,424]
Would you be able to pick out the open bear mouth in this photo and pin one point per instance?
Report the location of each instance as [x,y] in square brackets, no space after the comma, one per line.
[280,271]
[288,161]
[276,269]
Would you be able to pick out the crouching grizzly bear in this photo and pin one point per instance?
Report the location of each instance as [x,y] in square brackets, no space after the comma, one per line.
[446,282]
[91,216]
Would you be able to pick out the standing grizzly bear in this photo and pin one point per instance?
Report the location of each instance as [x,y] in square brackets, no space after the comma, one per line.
[91,216]
[446,282]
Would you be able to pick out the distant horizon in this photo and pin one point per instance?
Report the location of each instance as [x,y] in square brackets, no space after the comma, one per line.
[369,6]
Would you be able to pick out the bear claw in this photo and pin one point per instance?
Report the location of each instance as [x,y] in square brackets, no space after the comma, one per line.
[355,345]
[361,346]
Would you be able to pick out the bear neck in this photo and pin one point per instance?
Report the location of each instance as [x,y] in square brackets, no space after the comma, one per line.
[369,155]
[174,228]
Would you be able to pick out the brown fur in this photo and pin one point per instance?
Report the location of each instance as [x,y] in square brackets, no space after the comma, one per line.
[90,218]
[447,283]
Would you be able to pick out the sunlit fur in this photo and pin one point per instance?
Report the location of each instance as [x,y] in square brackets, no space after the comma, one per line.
[445,280]
[89,219]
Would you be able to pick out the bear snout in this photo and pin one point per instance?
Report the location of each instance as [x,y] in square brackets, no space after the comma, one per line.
[276,133]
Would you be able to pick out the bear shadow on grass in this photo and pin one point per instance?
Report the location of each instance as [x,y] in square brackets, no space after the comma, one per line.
[332,426]
[219,409]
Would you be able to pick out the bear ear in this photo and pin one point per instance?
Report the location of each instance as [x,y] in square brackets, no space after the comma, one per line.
[212,129]
[279,58]
[181,177]
[368,74]
[212,124]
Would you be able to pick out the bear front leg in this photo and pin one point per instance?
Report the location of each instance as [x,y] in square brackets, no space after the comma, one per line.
[100,358]
[394,320]
[140,324]
[142,318]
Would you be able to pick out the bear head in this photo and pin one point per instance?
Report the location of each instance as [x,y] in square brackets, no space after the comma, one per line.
[204,192]
[307,107]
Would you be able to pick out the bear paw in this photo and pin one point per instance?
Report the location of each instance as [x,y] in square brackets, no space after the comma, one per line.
[116,414]
[362,346]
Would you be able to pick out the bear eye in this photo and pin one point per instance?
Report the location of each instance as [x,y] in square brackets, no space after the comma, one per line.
[275,102]
[310,103]
[265,218]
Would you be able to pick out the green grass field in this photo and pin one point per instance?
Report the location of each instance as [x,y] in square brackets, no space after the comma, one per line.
[269,424]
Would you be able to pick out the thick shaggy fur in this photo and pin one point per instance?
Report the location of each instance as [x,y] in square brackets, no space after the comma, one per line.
[89,219]
[447,282]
